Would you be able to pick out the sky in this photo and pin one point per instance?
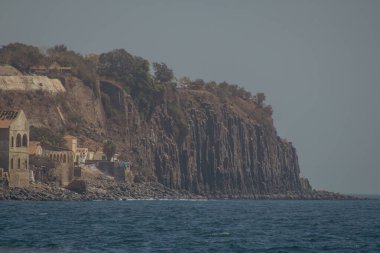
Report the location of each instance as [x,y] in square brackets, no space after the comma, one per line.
[318,62]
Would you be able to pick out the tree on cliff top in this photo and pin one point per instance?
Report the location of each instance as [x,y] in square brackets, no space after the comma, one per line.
[121,66]
[109,149]
[260,98]
[21,56]
[162,72]
[133,73]
[82,67]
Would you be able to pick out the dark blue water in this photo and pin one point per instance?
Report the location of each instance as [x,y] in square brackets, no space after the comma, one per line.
[190,226]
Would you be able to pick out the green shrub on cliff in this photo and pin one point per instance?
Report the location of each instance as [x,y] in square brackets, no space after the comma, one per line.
[21,56]
[81,67]
[162,72]
[44,134]
[133,73]
[180,128]
[109,109]
[109,148]
[121,66]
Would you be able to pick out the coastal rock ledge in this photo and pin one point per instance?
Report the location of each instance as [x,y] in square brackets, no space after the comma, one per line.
[145,191]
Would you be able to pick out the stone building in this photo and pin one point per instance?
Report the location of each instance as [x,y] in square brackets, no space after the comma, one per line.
[71,142]
[14,142]
[53,69]
[64,163]
[61,171]
[81,154]
[99,155]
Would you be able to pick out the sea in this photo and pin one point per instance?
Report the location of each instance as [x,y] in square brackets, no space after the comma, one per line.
[190,226]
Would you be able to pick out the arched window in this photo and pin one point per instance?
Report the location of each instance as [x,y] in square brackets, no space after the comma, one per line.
[51,156]
[18,140]
[64,158]
[12,164]
[19,163]
[26,164]
[24,140]
[12,142]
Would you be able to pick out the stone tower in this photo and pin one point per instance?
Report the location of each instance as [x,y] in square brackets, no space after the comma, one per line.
[14,142]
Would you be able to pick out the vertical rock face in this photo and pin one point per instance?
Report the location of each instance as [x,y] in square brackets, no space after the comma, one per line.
[217,148]
[225,153]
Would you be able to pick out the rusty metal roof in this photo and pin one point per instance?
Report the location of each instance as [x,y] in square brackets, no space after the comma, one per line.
[4,115]
[7,117]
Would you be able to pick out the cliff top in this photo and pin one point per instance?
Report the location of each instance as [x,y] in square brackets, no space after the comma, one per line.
[132,74]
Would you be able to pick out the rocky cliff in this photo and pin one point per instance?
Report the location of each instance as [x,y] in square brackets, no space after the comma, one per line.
[31,83]
[225,152]
[206,145]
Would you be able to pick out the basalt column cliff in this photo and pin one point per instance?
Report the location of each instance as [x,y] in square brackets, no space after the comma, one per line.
[223,151]
[209,139]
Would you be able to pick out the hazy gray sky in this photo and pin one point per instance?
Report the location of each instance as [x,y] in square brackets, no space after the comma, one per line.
[318,62]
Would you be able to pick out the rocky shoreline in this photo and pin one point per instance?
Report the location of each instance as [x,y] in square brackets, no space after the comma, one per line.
[141,191]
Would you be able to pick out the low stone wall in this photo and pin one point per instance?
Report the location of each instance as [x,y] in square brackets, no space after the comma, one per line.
[18,178]
[64,174]
[31,83]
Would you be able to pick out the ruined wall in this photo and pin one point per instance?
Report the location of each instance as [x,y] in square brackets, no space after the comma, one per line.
[19,178]
[64,174]
[64,165]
